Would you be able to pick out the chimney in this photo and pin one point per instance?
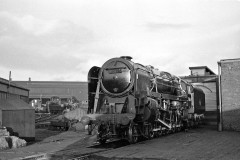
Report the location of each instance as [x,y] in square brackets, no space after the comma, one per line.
[126,57]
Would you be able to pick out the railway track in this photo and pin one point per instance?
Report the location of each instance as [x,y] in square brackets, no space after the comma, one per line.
[104,147]
[83,152]
[110,146]
[45,118]
[70,154]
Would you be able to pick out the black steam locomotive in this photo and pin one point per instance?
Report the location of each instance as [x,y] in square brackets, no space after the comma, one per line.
[128,100]
[55,106]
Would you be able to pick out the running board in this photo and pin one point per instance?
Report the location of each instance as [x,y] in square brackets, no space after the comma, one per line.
[159,129]
[165,124]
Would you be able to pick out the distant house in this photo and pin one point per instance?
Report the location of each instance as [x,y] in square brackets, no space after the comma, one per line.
[201,71]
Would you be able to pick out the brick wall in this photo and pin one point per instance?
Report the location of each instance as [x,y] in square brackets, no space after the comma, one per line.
[230,83]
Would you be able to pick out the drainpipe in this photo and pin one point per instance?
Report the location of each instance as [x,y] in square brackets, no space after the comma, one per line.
[220,127]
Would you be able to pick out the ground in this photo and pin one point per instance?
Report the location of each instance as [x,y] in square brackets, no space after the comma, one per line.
[197,144]
[200,143]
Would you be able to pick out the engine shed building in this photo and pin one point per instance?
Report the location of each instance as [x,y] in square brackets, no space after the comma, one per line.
[44,90]
[207,80]
[229,97]
[15,112]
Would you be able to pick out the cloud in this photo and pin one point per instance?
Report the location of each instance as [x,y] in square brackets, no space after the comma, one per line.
[34,44]
[55,40]
[45,32]
[156,26]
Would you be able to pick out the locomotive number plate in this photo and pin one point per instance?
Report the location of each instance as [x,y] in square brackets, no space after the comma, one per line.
[113,71]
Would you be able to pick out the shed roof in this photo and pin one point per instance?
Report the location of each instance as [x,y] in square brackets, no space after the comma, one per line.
[14,104]
[213,79]
[12,84]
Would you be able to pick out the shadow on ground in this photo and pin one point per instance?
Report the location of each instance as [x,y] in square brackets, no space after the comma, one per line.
[43,134]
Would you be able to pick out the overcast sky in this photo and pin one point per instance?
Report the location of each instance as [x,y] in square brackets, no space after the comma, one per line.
[60,40]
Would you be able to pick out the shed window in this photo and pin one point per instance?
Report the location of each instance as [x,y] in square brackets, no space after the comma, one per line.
[3,95]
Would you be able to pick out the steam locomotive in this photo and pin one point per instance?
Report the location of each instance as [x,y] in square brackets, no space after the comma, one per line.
[128,101]
[55,106]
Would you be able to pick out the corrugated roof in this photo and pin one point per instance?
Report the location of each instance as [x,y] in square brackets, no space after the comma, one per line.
[14,104]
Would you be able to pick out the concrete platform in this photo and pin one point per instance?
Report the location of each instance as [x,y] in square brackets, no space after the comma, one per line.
[48,143]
